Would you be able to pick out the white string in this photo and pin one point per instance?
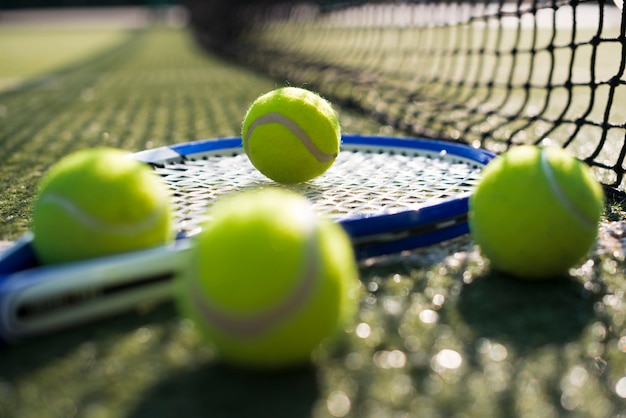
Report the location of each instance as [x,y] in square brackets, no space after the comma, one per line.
[358,184]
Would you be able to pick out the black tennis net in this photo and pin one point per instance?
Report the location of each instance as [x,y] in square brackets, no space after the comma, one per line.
[489,74]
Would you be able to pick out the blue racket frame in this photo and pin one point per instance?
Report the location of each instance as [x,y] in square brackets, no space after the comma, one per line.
[147,275]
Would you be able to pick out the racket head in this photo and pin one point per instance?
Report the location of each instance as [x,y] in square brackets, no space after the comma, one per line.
[389,193]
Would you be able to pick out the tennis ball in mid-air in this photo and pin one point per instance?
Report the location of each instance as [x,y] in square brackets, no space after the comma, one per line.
[535,212]
[98,202]
[291,135]
[268,280]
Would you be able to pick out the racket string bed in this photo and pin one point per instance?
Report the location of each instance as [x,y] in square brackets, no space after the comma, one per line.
[360,184]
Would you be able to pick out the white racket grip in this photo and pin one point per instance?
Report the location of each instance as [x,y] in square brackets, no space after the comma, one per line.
[45,299]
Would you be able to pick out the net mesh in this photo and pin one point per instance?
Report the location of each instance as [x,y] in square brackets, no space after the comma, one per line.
[489,74]
[361,182]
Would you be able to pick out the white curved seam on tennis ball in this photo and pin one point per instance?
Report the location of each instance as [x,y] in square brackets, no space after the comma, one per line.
[273,117]
[560,194]
[260,322]
[91,222]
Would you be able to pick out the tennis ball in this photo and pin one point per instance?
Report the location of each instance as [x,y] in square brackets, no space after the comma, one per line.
[267,280]
[97,202]
[535,212]
[291,135]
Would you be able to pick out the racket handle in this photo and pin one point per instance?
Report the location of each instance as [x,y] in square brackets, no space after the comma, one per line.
[41,300]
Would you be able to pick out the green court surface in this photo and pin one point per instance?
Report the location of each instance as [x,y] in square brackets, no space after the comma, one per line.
[31,52]
[438,333]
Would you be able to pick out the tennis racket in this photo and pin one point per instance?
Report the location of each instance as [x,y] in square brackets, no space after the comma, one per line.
[389,194]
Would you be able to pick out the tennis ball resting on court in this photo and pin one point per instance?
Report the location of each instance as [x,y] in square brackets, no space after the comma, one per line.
[267,280]
[291,135]
[535,213]
[97,202]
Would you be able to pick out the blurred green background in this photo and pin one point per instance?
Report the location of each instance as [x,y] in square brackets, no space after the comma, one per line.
[438,334]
